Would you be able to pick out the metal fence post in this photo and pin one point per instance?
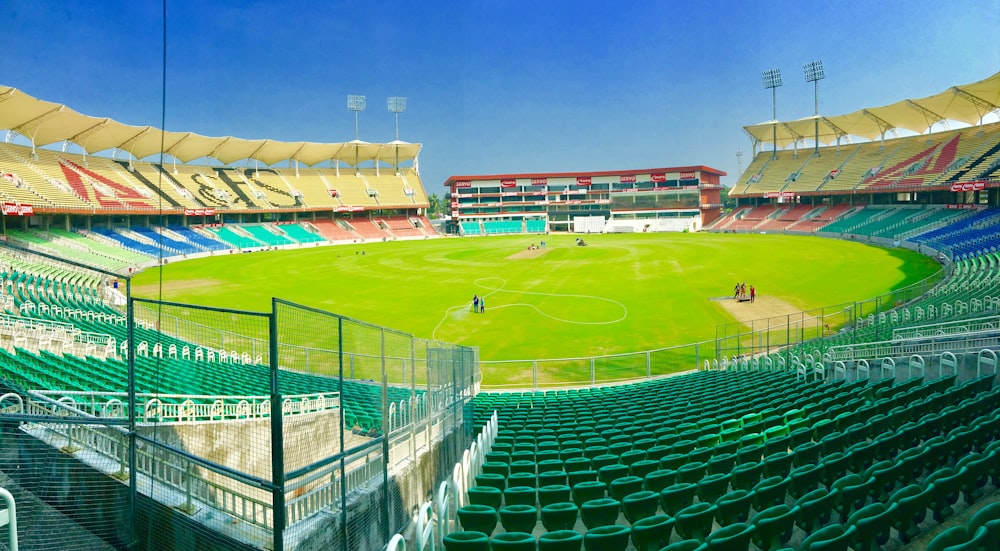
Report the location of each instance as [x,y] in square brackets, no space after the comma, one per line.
[649,367]
[277,435]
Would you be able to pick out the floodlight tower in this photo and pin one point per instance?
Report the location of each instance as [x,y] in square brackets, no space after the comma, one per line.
[772,80]
[814,73]
[356,104]
[396,105]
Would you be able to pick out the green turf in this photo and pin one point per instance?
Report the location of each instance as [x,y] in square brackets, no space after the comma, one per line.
[622,293]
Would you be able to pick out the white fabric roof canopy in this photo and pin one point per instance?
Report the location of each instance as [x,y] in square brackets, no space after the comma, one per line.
[967,103]
[44,123]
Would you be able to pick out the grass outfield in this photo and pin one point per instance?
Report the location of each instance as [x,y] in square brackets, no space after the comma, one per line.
[621,293]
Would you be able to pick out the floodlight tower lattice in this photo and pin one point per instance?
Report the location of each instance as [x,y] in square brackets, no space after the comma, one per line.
[772,80]
[813,72]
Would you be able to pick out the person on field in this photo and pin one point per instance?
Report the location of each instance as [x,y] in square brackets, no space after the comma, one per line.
[736,292]
[475,303]
[753,293]
[482,305]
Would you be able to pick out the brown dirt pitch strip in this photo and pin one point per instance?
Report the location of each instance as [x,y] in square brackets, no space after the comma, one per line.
[527,253]
[763,307]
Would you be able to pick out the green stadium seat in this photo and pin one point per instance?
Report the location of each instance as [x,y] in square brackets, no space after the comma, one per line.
[612,537]
[559,516]
[659,479]
[600,512]
[695,520]
[548,478]
[560,540]
[518,517]
[691,472]
[467,541]
[639,505]
[873,523]
[685,545]
[677,496]
[733,507]
[769,492]
[804,479]
[713,486]
[652,533]
[587,491]
[485,495]
[514,541]
[492,479]
[610,473]
[747,475]
[815,509]
[722,463]
[478,518]
[623,486]
[773,526]
[830,538]
[913,502]
[520,495]
[553,493]
[732,537]
[643,467]
[575,477]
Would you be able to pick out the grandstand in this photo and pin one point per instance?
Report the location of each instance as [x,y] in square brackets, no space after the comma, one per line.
[661,199]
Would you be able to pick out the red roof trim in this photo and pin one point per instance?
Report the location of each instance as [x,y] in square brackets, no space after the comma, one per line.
[481,177]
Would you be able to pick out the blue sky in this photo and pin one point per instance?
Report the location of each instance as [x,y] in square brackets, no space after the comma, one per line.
[494,86]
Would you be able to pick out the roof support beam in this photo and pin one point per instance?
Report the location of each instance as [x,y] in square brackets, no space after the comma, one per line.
[883,125]
[930,117]
[982,106]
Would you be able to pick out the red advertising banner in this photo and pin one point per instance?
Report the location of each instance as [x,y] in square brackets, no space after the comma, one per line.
[509,194]
[539,181]
[779,194]
[577,192]
[959,206]
[199,212]
[688,176]
[583,180]
[463,183]
[538,193]
[969,186]
[14,209]
[629,179]
[658,178]
[343,208]
[508,183]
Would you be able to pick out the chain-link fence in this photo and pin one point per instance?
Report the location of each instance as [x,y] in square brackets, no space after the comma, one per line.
[134,423]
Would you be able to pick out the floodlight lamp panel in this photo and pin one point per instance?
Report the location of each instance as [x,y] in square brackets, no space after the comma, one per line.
[771,78]
[396,104]
[356,103]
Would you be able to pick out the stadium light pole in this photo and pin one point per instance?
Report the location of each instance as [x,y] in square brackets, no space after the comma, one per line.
[356,104]
[814,73]
[396,105]
[772,79]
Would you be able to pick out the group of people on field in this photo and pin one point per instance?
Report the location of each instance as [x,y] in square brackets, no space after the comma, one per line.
[740,292]
[478,304]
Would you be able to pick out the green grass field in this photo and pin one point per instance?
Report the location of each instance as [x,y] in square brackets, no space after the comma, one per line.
[621,293]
